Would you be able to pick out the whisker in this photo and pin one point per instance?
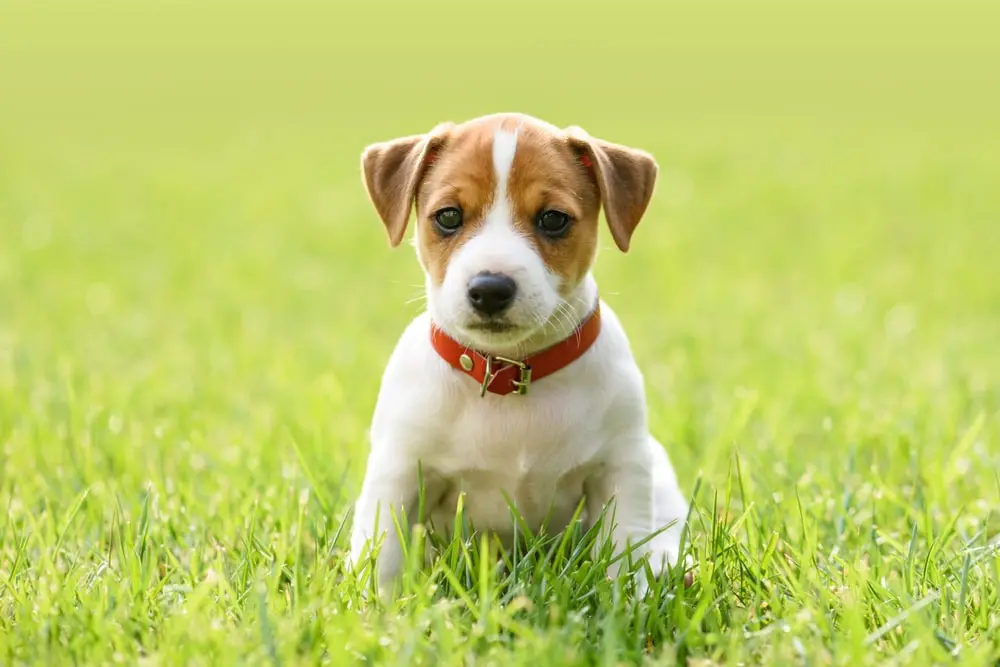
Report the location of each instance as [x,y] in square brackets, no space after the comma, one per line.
[565,316]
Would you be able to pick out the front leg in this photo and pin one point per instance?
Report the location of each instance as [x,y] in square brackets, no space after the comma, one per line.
[643,498]
[390,487]
[623,490]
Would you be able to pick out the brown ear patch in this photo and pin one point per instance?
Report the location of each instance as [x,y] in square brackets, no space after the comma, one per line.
[392,173]
[626,178]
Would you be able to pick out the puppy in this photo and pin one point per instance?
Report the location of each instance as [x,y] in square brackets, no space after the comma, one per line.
[518,382]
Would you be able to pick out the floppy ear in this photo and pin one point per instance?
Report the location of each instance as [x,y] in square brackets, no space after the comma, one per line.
[392,173]
[625,178]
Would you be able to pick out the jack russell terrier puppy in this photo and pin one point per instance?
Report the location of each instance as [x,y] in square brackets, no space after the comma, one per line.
[518,381]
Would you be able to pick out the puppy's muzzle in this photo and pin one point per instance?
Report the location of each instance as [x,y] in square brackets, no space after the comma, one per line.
[491,293]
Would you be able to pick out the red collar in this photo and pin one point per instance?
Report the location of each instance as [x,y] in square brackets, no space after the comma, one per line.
[500,375]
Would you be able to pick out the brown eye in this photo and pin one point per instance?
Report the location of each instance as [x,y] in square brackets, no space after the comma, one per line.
[552,223]
[448,220]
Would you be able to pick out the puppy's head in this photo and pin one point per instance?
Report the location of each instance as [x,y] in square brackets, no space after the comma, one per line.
[507,216]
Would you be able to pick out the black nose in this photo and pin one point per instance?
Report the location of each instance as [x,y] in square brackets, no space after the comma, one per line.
[490,293]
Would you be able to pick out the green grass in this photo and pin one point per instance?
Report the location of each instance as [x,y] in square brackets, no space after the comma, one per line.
[196,304]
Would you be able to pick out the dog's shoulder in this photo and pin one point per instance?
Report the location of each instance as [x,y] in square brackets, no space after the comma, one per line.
[613,351]
[414,382]
[414,359]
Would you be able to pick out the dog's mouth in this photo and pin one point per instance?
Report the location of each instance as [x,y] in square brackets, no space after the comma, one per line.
[493,326]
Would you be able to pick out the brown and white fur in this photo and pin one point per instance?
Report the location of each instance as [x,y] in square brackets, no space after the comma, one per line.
[579,433]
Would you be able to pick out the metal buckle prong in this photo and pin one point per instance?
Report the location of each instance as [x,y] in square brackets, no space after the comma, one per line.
[487,377]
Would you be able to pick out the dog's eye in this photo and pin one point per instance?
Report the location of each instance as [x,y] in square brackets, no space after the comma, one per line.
[553,223]
[448,220]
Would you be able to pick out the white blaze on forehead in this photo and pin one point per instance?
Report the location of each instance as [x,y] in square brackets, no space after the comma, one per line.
[497,246]
[504,145]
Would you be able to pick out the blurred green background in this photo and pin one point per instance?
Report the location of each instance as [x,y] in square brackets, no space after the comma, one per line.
[196,297]
[182,213]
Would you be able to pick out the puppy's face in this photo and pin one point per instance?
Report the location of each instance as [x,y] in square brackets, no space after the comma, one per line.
[507,216]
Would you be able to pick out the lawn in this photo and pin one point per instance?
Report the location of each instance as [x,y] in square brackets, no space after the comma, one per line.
[197,301]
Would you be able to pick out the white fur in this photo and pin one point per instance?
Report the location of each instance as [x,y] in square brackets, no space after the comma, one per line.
[580,432]
[504,147]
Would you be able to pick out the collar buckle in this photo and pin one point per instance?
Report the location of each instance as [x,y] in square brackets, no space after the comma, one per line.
[521,384]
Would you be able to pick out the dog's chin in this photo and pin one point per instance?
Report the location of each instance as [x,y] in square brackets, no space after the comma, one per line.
[495,334]
[493,327]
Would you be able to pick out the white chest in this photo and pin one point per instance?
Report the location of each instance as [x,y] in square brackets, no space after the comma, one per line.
[533,451]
